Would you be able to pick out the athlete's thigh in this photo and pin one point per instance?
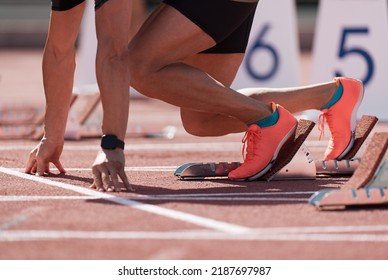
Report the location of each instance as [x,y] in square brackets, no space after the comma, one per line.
[168,36]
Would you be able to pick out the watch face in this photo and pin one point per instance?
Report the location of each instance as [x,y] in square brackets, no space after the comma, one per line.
[109,142]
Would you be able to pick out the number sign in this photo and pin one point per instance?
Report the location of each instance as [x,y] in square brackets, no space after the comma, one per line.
[272,56]
[351,40]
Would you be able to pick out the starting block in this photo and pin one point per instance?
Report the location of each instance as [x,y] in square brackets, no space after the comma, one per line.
[368,184]
[349,163]
[301,167]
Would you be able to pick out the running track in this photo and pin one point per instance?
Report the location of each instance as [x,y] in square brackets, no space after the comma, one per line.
[59,217]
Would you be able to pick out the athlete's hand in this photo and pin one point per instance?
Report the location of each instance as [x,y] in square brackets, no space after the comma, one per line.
[40,157]
[107,168]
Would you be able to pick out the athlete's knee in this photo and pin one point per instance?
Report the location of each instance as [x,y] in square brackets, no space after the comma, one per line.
[112,51]
[195,130]
[59,51]
[195,126]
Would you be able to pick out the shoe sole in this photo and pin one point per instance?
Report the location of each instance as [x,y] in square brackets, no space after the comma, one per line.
[353,121]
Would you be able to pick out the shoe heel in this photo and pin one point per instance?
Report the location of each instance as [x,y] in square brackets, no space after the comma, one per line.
[290,148]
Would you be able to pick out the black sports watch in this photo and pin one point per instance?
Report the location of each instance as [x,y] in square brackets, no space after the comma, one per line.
[111,142]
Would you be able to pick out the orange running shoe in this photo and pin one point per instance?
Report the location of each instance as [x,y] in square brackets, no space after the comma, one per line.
[341,118]
[262,146]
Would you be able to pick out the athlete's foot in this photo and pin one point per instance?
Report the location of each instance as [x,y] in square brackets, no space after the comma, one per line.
[262,145]
[341,116]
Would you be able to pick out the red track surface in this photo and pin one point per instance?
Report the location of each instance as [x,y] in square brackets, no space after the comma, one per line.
[59,217]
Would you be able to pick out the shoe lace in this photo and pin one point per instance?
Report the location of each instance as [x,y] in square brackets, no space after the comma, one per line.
[324,117]
[249,144]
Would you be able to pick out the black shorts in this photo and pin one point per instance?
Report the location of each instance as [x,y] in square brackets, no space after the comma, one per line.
[64,5]
[227,22]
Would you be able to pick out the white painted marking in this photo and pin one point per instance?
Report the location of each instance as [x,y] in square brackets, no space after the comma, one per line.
[227,196]
[169,198]
[219,146]
[128,168]
[170,213]
[233,194]
[177,197]
[260,234]
[14,198]
[136,168]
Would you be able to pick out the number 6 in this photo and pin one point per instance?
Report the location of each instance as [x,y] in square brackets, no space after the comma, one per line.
[259,44]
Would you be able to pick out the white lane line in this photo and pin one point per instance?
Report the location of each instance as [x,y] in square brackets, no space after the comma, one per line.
[236,199]
[136,168]
[221,146]
[200,146]
[128,168]
[233,194]
[165,212]
[240,196]
[270,234]
[14,198]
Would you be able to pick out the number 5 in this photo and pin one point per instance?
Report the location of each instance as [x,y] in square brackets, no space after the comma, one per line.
[346,50]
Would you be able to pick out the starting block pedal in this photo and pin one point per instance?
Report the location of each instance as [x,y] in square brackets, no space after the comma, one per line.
[368,184]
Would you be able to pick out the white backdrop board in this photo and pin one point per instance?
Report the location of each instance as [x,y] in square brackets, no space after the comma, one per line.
[351,39]
[85,74]
[272,56]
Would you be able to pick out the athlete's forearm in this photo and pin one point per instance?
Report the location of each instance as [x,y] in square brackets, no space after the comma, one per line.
[58,77]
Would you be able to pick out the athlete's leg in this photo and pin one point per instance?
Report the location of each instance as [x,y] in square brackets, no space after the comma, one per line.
[156,69]
[223,68]
[113,20]
[339,105]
